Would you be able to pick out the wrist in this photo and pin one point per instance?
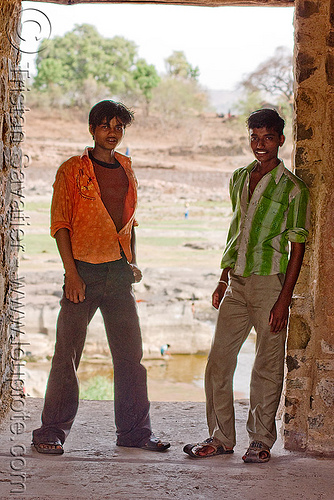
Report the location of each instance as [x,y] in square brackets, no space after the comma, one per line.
[72,271]
[286,298]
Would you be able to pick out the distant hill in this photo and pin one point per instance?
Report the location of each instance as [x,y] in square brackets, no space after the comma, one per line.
[224,101]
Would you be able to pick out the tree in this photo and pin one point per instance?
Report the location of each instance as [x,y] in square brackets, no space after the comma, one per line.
[274,76]
[177,99]
[147,78]
[247,104]
[179,95]
[82,55]
[178,67]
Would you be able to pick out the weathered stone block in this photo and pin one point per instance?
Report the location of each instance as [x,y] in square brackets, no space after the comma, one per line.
[326,347]
[331,12]
[325,390]
[307,9]
[305,66]
[299,333]
[325,365]
[288,418]
[330,39]
[300,383]
[304,133]
[316,422]
[301,156]
[295,440]
[291,402]
[306,175]
[330,69]
[292,363]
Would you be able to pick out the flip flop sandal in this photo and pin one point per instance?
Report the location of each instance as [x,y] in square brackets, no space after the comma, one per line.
[218,449]
[257,453]
[49,451]
[155,444]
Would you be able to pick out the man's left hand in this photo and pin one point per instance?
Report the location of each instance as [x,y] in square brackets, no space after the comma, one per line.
[136,272]
[279,315]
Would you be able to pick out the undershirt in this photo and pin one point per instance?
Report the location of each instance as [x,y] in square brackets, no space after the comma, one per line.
[113,183]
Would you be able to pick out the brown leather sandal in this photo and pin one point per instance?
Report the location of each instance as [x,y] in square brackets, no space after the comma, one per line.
[155,444]
[54,447]
[257,453]
[195,450]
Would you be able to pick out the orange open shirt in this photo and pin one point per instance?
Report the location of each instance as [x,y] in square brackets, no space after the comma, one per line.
[77,206]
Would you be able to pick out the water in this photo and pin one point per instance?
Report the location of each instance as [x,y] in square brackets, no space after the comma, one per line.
[171,378]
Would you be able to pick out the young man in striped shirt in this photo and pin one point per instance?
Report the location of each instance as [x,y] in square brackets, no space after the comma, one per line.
[260,266]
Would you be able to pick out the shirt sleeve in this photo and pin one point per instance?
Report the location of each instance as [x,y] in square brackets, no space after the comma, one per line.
[62,203]
[298,220]
[230,252]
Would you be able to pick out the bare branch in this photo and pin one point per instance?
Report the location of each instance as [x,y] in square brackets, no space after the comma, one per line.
[274,76]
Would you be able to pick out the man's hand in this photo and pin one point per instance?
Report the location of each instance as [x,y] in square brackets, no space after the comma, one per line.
[218,294]
[75,287]
[278,318]
[136,272]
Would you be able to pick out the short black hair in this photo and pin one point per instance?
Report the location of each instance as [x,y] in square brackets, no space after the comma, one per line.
[109,110]
[268,118]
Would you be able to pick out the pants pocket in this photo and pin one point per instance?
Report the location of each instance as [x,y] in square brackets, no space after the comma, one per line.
[281,278]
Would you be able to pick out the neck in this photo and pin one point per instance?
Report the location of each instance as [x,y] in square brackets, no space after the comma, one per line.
[265,167]
[105,155]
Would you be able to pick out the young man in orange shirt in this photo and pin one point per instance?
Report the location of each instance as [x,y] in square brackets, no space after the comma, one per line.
[92,220]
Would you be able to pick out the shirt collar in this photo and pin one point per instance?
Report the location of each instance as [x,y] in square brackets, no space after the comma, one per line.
[276,172]
[124,160]
[85,153]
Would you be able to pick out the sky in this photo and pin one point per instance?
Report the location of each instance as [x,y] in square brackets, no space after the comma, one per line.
[225,43]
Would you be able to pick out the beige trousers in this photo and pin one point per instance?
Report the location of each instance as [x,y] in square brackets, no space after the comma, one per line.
[247,303]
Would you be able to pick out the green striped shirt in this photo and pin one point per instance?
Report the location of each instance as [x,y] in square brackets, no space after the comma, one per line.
[261,228]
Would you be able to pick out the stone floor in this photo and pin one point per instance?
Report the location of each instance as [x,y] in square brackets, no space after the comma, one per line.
[93,467]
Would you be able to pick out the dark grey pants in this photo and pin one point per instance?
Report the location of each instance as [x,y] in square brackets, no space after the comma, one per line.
[108,287]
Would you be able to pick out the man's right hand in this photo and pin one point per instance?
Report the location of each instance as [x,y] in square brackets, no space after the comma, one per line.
[75,287]
[218,294]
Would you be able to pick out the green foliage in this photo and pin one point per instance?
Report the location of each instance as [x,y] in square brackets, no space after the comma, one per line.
[82,67]
[250,102]
[175,98]
[147,78]
[179,95]
[97,388]
[178,67]
[50,71]
[84,61]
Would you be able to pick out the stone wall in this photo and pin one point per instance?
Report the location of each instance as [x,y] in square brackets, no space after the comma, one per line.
[10,167]
[310,380]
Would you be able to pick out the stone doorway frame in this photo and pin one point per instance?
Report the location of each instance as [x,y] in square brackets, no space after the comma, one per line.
[310,380]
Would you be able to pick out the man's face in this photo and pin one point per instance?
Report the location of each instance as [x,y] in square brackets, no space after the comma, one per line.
[265,143]
[108,135]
